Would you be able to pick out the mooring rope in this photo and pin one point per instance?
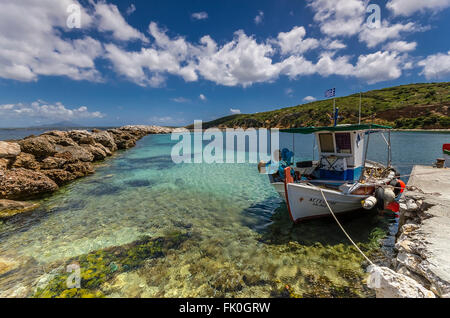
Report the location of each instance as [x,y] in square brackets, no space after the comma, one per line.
[342,228]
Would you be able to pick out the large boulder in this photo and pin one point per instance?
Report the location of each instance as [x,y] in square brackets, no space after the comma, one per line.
[148,129]
[123,139]
[104,138]
[27,161]
[61,141]
[54,162]
[81,137]
[97,150]
[9,149]
[18,184]
[80,169]
[77,152]
[60,176]
[126,144]
[39,146]
[57,133]
[389,284]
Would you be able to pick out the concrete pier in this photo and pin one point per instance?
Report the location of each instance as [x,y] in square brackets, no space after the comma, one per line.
[423,239]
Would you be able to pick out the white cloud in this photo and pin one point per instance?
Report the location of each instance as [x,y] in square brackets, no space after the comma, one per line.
[374,36]
[379,66]
[401,46]
[242,61]
[408,7]
[293,42]
[436,66]
[40,44]
[309,99]
[131,9]
[339,17]
[295,66]
[43,111]
[328,65]
[31,42]
[111,20]
[200,15]
[289,91]
[165,120]
[166,56]
[332,44]
[235,111]
[259,17]
[202,97]
[180,100]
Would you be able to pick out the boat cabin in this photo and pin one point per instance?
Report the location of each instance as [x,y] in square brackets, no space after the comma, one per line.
[341,150]
[340,155]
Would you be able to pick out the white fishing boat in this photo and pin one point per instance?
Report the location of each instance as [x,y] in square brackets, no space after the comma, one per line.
[342,176]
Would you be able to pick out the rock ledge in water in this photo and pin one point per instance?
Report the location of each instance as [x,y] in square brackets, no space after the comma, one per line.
[9,208]
[38,165]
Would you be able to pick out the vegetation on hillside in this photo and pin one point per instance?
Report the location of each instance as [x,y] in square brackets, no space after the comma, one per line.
[414,106]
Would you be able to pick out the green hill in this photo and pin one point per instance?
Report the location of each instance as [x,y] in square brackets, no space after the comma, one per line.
[418,106]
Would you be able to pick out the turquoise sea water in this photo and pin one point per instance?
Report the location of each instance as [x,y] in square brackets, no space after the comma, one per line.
[240,241]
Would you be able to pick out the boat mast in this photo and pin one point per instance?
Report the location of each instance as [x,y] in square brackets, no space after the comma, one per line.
[365,156]
[389,149]
[359,108]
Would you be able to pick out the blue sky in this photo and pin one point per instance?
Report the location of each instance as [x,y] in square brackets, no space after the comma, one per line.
[170,62]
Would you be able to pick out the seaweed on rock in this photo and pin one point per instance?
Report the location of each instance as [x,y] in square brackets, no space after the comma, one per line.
[103,265]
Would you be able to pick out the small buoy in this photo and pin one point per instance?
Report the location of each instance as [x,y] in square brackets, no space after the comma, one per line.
[399,186]
[369,203]
[389,195]
[402,185]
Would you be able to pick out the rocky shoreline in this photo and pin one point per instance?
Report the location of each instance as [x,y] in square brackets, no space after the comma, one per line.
[36,166]
[420,267]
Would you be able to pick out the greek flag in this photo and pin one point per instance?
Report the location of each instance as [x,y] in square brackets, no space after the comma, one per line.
[330,93]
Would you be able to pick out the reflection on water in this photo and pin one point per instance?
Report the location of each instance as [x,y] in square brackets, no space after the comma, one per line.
[237,236]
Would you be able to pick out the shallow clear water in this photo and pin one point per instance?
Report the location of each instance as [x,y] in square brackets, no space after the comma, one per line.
[240,235]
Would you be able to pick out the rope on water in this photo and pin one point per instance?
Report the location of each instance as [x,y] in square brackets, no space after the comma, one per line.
[343,230]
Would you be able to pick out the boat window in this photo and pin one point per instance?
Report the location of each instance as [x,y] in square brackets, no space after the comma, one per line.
[343,143]
[326,142]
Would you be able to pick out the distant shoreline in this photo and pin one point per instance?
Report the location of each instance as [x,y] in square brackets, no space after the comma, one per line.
[423,130]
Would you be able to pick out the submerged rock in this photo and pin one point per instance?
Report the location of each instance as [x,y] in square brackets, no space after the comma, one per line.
[7,265]
[24,184]
[100,267]
[10,208]
[9,149]
[139,183]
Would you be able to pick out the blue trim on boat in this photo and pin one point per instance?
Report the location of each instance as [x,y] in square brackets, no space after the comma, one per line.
[346,175]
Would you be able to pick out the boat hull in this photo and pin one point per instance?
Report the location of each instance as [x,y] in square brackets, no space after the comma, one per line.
[306,202]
